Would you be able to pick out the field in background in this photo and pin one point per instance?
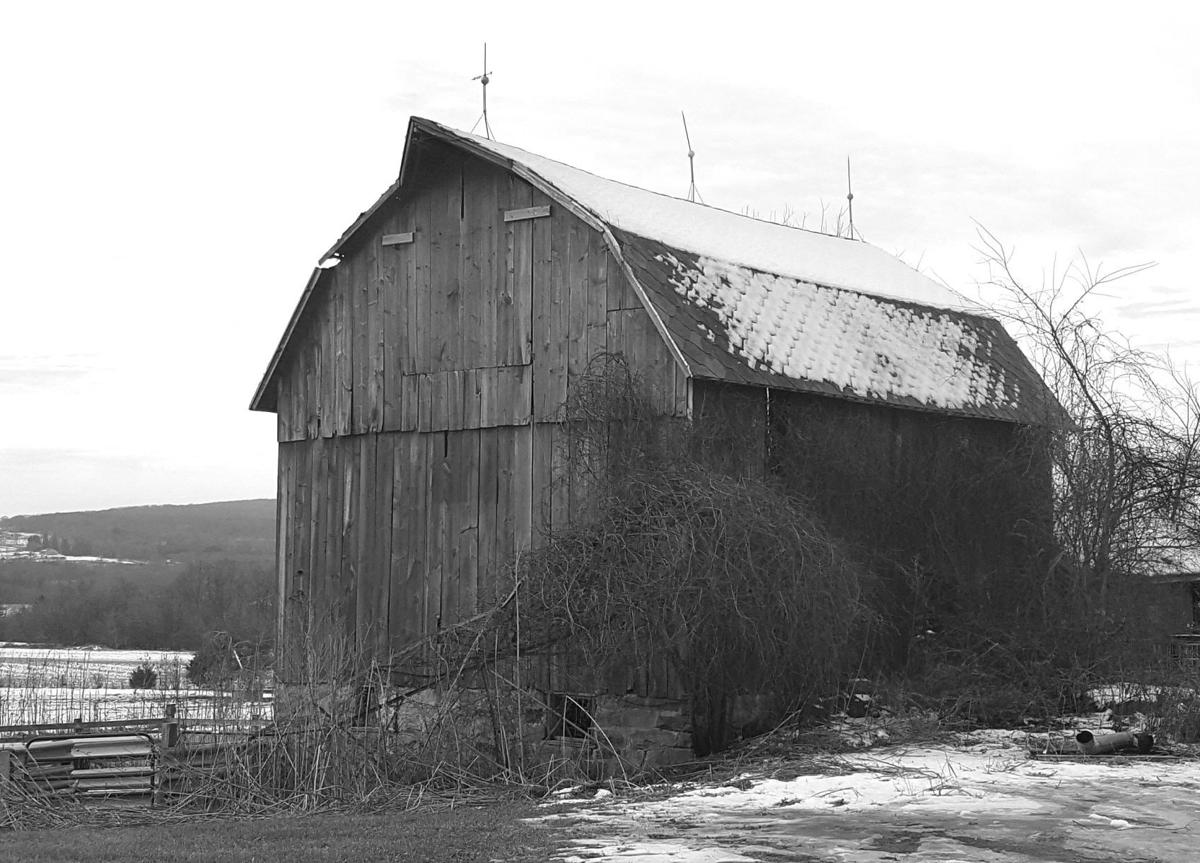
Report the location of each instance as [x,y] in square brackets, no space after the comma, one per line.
[58,685]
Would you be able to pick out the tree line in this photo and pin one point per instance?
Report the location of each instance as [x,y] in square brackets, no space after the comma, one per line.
[126,612]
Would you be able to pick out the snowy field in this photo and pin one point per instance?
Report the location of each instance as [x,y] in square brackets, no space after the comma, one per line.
[978,799]
[44,685]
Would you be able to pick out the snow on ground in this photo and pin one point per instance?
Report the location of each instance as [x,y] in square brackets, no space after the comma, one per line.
[83,666]
[981,798]
[55,685]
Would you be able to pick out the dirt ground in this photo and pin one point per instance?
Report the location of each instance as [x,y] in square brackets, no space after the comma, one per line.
[974,804]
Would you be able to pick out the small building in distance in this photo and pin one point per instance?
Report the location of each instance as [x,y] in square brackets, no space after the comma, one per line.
[421,380]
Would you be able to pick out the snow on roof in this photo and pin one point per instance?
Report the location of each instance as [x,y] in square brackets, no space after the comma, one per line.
[739,325]
[858,343]
[811,256]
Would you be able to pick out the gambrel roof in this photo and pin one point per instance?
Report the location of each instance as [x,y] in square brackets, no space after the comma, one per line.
[745,301]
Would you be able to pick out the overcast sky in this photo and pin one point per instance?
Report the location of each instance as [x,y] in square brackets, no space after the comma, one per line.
[169,174]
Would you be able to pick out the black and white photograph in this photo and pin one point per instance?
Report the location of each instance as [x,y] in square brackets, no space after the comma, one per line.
[614,433]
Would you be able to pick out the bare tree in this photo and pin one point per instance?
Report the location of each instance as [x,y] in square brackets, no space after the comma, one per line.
[1127,482]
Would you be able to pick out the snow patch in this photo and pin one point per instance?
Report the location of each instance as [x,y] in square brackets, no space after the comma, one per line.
[857,342]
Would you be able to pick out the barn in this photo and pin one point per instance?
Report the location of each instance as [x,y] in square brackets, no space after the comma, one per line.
[421,380]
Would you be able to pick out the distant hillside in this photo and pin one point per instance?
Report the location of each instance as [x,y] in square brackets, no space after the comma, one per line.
[239,529]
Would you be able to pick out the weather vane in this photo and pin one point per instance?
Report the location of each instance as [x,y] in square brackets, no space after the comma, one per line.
[484,79]
[693,192]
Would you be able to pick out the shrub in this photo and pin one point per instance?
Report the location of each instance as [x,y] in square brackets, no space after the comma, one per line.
[143,677]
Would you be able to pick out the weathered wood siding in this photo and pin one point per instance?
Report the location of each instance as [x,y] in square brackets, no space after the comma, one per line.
[940,508]
[418,405]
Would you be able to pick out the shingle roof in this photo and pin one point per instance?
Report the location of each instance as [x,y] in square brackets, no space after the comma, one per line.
[736,324]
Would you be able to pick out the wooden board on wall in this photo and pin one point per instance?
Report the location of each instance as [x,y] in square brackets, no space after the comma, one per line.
[620,293]
[286,632]
[542,485]
[515,311]
[596,318]
[368,580]
[324,321]
[436,528]
[354,268]
[445,335]
[410,491]
[347,601]
[632,333]
[460,582]
[343,346]
[551,311]
[578,286]
[373,354]
[488,509]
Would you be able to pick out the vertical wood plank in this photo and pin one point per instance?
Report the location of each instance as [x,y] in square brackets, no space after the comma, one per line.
[312,380]
[446,298]
[407,611]
[597,296]
[421,289]
[492,273]
[461,491]
[520,401]
[543,482]
[488,507]
[286,609]
[345,638]
[283,402]
[477,194]
[620,292]
[366,541]
[551,304]
[516,305]
[409,402]
[343,335]
[437,520]
[579,242]
[318,489]
[381,524]
[520,528]
[391,311]
[300,499]
[325,325]
[456,385]
[472,407]
[374,355]
[355,266]
[328,591]
[424,401]
[682,393]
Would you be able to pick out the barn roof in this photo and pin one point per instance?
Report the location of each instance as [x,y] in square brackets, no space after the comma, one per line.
[741,300]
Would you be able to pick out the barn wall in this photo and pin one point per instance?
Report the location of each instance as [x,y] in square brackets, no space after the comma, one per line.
[941,508]
[418,400]
[963,496]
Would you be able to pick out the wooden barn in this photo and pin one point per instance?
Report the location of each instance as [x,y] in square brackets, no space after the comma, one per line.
[420,383]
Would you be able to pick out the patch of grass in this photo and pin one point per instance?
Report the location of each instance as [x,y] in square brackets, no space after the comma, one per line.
[467,833]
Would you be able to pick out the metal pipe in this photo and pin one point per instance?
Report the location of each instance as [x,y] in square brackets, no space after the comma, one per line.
[1090,744]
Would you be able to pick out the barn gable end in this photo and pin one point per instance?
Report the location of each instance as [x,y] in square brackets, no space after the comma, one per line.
[418,393]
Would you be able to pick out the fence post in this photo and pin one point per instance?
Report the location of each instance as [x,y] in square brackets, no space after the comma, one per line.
[169,730]
[5,768]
